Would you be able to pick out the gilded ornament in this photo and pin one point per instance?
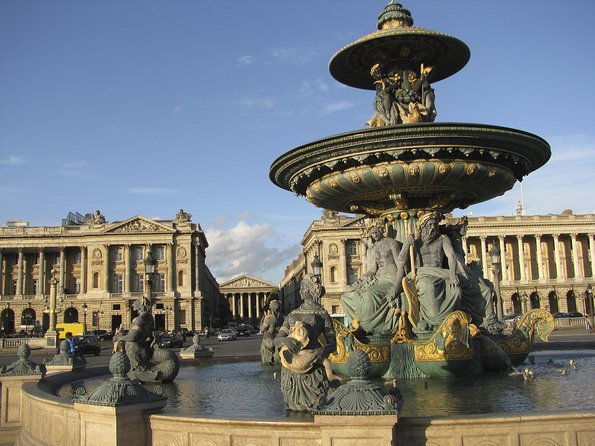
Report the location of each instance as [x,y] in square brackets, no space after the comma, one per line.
[413,169]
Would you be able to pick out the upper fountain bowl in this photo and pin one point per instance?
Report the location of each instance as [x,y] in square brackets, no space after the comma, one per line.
[425,166]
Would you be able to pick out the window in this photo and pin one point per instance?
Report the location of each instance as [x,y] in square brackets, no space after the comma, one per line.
[118,253]
[77,257]
[35,286]
[117,283]
[35,259]
[159,283]
[334,309]
[351,248]
[116,307]
[160,252]
[180,278]
[333,274]
[137,253]
[95,280]
[138,285]
[57,259]
[159,307]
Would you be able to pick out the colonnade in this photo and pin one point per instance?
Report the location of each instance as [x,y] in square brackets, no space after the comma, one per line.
[246,305]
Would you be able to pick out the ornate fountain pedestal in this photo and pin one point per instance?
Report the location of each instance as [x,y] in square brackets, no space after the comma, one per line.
[408,171]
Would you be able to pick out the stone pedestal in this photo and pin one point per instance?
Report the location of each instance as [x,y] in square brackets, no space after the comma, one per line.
[11,406]
[51,338]
[54,369]
[111,426]
[356,430]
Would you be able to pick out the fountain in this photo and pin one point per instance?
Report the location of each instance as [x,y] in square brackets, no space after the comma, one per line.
[405,172]
[419,310]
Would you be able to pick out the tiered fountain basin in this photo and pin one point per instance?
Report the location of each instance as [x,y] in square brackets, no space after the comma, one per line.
[426,166]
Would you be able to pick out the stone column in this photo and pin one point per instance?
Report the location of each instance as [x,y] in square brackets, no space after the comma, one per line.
[196,268]
[557,254]
[242,309]
[128,260]
[25,275]
[250,305]
[19,290]
[83,269]
[521,257]
[503,258]
[592,252]
[62,273]
[171,270]
[345,262]
[540,268]
[484,255]
[106,287]
[578,272]
[258,305]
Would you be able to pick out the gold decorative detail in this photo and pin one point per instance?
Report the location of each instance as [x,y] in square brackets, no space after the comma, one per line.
[353,176]
[449,343]
[381,171]
[413,169]
[333,182]
[443,168]
[471,168]
[521,339]
[491,172]
[347,343]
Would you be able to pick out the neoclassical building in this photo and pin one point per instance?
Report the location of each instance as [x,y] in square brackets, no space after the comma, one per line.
[101,272]
[246,297]
[546,260]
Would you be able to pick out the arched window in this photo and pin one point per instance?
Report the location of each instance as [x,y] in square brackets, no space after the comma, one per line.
[71,315]
[180,278]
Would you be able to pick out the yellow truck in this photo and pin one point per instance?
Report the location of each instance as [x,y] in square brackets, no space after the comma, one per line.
[76,328]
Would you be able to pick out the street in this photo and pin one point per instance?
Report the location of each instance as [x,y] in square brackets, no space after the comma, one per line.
[243,347]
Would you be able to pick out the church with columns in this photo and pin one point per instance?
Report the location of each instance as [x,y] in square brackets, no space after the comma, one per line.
[100,269]
[246,297]
[546,261]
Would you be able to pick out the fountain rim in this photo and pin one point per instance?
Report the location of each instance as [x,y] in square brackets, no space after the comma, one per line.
[316,153]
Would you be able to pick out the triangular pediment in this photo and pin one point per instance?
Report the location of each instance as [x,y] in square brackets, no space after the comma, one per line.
[246,281]
[138,225]
[357,222]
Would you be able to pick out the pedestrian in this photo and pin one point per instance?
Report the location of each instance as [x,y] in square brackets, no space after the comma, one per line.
[70,342]
[587,325]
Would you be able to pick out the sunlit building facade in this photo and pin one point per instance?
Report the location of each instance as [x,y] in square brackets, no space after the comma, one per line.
[100,268]
[546,260]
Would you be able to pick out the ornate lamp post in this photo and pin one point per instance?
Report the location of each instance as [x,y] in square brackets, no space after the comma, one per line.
[52,335]
[149,272]
[495,255]
[590,306]
[85,317]
[316,266]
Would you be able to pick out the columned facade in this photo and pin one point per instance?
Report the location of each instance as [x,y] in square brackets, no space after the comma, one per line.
[101,265]
[246,297]
[546,261]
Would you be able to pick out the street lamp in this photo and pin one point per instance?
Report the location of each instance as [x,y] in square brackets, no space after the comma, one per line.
[590,306]
[85,318]
[495,257]
[150,263]
[51,335]
[316,266]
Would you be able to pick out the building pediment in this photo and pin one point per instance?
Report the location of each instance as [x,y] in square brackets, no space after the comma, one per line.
[138,225]
[245,281]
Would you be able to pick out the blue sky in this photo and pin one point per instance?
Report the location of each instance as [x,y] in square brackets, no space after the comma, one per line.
[146,107]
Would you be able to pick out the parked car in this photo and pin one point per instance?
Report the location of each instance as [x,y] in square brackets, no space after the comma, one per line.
[571,314]
[104,335]
[227,334]
[171,340]
[243,330]
[86,345]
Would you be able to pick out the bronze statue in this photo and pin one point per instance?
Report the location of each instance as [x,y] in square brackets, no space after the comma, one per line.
[269,327]
[305,340]
[373,304]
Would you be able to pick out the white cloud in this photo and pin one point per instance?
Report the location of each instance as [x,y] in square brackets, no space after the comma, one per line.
[246,60]
[152,191]
[244,249]
[12,160]
[566,181]
[266,103]
[75,169]
[335,107]
[177,109]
